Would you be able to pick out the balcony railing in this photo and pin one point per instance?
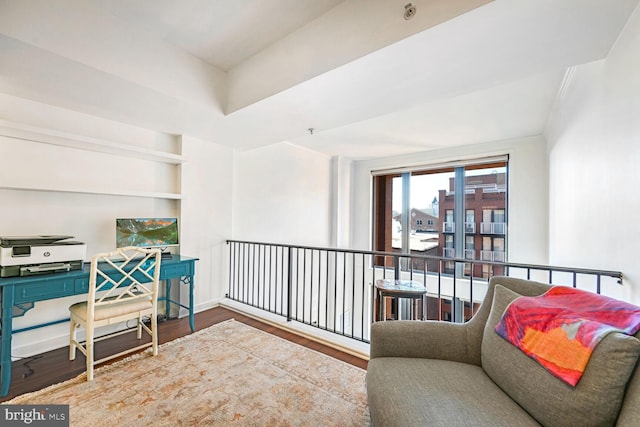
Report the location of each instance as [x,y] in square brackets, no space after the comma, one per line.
[450,227]
[497,256]
[332,289]
[468,254]
[493,227]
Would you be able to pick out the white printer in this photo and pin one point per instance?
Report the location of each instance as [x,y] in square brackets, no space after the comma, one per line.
[29,255]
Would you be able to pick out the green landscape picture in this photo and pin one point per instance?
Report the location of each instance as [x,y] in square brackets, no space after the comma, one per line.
[146,232]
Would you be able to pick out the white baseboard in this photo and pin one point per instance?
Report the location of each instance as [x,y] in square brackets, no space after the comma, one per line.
[39,347]
[54,343]
[344,344]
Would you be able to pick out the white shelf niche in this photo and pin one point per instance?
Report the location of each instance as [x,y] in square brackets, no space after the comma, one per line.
[149,194]
[23,179]
[53,137]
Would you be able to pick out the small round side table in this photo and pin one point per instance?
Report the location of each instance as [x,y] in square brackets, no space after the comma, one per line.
[397,289]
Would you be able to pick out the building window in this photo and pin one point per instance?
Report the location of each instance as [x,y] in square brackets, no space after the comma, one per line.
[469,247]
[449,225]
[434,195]
[470,221]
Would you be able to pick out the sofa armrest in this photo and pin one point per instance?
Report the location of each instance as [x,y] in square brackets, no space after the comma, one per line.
[428,340]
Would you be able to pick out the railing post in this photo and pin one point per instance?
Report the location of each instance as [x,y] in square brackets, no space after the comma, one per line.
[396,267]
[289,284]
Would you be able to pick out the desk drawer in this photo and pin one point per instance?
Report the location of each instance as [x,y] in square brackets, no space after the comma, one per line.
[172,271]
[81,286]
[44,290]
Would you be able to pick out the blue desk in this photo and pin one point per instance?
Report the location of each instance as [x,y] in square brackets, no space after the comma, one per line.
[19,294]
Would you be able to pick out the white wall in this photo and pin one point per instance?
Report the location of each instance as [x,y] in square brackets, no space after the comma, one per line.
[594,153]
[206,216]
[282,194]
[341,186]
[527,204]
[38,180]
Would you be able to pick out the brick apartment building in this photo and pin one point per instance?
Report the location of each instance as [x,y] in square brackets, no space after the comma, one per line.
[484,226]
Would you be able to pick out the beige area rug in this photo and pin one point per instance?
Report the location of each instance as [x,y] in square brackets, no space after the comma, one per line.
[228,374]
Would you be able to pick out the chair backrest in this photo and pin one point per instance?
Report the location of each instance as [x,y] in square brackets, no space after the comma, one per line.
[477,323]
[124,275]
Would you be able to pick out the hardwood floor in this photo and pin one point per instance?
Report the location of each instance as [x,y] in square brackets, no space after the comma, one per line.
[39,371]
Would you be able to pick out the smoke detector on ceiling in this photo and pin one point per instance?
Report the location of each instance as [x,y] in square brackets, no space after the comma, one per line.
[409,11]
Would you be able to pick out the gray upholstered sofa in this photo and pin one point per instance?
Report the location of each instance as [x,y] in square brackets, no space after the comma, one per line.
[445,374]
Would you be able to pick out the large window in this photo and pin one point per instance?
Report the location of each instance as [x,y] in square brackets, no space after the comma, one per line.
[457,212]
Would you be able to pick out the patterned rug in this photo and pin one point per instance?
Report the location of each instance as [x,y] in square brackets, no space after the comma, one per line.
[228,374]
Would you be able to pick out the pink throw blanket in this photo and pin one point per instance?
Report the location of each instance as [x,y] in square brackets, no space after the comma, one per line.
[560,328]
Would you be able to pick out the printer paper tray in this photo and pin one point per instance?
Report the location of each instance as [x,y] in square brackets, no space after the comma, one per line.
[32,270]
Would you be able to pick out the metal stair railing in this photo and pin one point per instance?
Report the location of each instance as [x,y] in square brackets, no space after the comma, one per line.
[332,289]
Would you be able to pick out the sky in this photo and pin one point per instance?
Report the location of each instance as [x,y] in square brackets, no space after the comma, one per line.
[423,189]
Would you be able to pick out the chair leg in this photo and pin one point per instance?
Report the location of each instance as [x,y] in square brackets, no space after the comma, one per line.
[72,339]
[139,330]
[89,349]
[154,333]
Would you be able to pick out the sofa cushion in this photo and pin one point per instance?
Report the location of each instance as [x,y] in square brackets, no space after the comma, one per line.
[431,392]
[630,411]
[594,401]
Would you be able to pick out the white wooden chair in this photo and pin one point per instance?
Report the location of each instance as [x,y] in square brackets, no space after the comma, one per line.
[123,286]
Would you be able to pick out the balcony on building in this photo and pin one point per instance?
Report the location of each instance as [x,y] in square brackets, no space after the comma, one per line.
[493,228]
[494,256]
[469,254]
[451,253]
[450,227]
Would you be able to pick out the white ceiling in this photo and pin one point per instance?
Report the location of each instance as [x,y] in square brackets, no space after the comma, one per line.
[222,33]
[247,73]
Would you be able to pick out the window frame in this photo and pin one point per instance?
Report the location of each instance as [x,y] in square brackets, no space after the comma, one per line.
[383,212]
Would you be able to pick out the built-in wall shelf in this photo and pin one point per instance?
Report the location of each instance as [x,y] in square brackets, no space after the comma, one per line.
[48,136]
[154,195]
